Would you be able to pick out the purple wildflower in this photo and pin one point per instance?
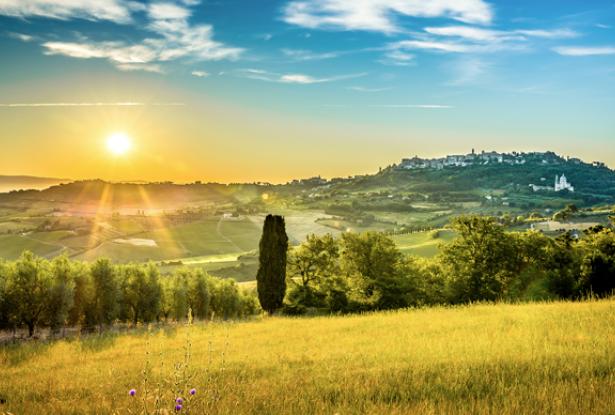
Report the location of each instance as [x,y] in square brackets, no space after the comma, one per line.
[178,407]
[192,391]
[132,392]
[179,400]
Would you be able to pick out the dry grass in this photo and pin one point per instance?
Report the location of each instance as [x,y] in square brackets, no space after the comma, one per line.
[482,359]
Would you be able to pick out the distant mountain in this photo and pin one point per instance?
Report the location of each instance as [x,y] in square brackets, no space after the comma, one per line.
[9,183]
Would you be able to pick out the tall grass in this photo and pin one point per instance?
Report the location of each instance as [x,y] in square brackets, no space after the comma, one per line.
[480,359]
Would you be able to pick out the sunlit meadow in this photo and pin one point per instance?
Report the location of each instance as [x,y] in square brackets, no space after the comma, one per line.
[504,359]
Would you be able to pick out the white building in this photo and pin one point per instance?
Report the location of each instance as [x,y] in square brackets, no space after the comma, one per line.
[561,183]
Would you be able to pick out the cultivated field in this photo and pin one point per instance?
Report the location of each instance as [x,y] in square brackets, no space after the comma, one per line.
[482,359]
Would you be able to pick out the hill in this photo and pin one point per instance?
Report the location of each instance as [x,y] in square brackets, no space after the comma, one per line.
[11,183]
[478,359]
[211,225]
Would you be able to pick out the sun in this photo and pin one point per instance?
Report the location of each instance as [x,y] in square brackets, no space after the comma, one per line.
[119,143]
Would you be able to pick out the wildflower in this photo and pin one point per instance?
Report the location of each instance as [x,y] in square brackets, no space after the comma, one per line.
[178,407]
[132,392]
[179,401]
[192,391]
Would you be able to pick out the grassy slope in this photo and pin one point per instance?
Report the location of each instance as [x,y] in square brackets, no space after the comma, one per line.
[422,244]
[504,359]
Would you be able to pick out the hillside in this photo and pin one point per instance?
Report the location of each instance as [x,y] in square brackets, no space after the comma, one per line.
[479,359]
[211,225]
[11,183]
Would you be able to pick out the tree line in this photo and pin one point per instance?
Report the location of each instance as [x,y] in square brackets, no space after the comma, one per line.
[36,292]
[366,271]
[352,273]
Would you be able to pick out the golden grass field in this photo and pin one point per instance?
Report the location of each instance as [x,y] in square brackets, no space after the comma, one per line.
[549,358]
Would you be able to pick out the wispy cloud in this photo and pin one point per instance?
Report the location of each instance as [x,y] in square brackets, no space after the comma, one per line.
[306,55]
[177,39]
[379,16]
[585,50]
[397,58]
[292,78]
[365,89]
[145,67]
[118,11]
[468,70]
[200,74]
[471,39]
[90,104]
[549,34]
[416,106]
[434,45]
[21,36]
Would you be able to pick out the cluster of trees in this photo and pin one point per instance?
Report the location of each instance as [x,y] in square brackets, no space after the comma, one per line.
[35,292]
[359,272]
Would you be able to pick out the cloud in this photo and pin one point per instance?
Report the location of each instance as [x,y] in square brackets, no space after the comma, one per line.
[200,74]
[145,67]
[177,39]
[603,26]
[91,104]
[466,32]
[265,36]
[365,89]
[378,15]
[468,70]
[292,78]
[306,55]
[21,36]
[114,51]
[397,58]
[118,11]
[434,45]
[549,34]
[418,106]
[486,35]
[585,50]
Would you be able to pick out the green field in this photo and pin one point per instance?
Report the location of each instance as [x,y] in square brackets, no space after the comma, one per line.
[423,244]
[479,359]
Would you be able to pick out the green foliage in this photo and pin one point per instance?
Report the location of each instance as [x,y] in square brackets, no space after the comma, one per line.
[598,266]
[478,260]
[271,276]
[105,305]
[484,262]
[30,288]
[61,298]
[35,292]
[141,293]
[312,264]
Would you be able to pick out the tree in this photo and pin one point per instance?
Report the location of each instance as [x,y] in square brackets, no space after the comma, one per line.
[378,269]
[198,294]
[105,300]
[563,267]
[6,274]
[311,263]
[271,275]
[598,263]
[141,292]
[62,292]
[479,262]
[30,290]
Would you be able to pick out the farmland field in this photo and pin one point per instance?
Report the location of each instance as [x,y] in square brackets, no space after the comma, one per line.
[477,359]
[423,244]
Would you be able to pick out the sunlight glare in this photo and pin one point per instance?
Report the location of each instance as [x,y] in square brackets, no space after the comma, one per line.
[119,143]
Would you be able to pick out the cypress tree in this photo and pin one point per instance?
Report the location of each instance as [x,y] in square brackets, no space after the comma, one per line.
[271,276]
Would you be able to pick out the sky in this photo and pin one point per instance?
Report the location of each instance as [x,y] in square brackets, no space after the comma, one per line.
[271,90]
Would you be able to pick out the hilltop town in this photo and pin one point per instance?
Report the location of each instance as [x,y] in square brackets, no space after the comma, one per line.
[492,157]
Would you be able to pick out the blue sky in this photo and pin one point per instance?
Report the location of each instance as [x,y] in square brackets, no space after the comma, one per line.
[372,80]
